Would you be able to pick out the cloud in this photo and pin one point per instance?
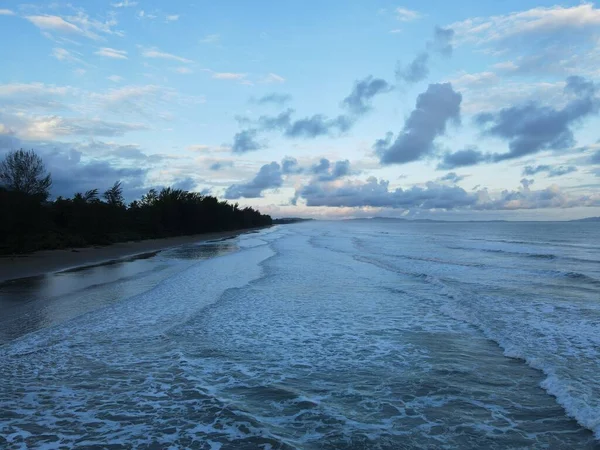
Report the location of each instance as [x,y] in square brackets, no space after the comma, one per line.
[6,12]
[552,171]
[531,128]
[376,193]
[537,23]
[219,165]
[416,71]
[595,158]
[274,98]
[290,165]
[24,97]
[281,121]
[155,53]
[115,78]
[327,172]
[435,196]
[139,100]
[462,158]
[245,141]
[65,55]
[272,78]
[124,4]
[210,39]
[54,23]
[33,127]
[183,70]
[73,172]
[111,53]
[359,100]
[186,184]
[268,177]
[406,15]
[318,125]
[434,109]
[172,17]
[442,41]
[453,177]
[141,14]
[80,24]
[228,76]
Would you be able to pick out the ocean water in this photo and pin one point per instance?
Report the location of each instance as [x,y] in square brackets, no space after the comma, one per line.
[357,334]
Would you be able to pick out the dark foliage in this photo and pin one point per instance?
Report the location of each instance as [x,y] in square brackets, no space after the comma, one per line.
[30,223]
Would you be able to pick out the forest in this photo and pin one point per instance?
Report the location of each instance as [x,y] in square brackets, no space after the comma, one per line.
[31,220]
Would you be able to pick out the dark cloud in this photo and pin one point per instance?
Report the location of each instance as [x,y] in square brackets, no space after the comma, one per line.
[245,141]
[462,158]
[416,71]
[552,171]
[71,173]
[434,109]
[318,125]
[187,184]
[374,193]
[274,98]
[595,158]
[290,165]
[442,41]
[280,122]
[452,177]
[219,165]
[359,100]
[268,177]
[321,167]
[532,127]
[377,194]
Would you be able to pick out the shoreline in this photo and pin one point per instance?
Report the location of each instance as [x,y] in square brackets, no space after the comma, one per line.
[15,267]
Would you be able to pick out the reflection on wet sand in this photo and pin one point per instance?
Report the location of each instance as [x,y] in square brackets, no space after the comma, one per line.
[29,304]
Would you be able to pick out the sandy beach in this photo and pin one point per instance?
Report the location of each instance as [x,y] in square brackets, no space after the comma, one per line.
[38,263]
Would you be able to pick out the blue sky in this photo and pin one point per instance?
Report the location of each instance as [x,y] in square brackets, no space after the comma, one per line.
[314,108]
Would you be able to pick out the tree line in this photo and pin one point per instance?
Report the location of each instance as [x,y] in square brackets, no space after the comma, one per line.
[30,221]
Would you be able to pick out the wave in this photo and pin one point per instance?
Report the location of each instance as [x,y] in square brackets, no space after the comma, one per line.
[542,256]
[572,393]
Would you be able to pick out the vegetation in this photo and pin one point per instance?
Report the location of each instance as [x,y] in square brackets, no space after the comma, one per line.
[30,222]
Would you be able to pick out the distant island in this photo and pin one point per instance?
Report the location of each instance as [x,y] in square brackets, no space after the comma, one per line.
[400,219]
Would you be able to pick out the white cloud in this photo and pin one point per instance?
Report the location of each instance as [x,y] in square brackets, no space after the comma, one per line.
[112,53]
[63,54]
[172,17]
[534,21]
[32,127]
[80,72]
[406,15]
[155,53]
[228,76]
[124,4]
[210,39]
[80,24]
[6,12]
[183,70]
[54,23]
[273,78]
[144,15]
[115,78]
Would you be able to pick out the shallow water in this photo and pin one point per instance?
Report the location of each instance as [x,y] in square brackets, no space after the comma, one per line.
[360,334]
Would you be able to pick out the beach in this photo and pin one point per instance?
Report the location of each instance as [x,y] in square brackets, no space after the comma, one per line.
[14,267]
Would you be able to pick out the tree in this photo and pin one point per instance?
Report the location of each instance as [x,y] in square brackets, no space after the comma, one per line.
[24,172]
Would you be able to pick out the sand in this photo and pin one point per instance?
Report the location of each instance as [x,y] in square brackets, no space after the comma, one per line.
[49,261]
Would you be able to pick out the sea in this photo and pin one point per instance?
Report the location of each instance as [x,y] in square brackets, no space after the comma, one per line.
[357,334]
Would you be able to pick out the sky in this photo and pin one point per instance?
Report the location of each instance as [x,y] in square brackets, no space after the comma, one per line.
[327,109]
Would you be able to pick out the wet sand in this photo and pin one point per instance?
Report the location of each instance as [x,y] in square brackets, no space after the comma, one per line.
[48,261]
